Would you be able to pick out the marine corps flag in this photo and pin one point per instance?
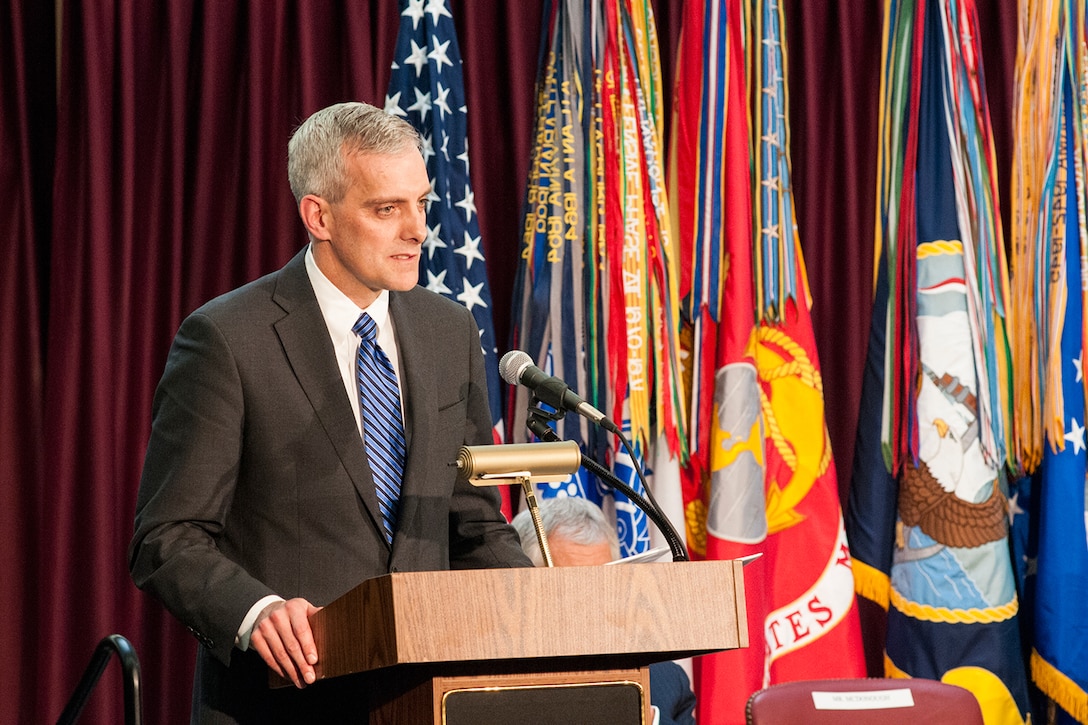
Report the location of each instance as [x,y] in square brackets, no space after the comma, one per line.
[939,565]
[762,478]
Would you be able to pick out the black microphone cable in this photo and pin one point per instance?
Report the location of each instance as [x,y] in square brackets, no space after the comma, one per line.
[537,423]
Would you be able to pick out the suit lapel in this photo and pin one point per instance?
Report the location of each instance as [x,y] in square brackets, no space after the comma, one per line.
[419,365]
[306,344]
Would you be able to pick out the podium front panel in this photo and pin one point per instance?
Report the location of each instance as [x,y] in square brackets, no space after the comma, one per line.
[490,615]
[601,703]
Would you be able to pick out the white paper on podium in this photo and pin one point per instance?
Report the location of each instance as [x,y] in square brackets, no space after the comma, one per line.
[661,552]
[652,555]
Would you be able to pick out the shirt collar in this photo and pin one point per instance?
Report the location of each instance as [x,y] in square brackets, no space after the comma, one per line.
[339,311]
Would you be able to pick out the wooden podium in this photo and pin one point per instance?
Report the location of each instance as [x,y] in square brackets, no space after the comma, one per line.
[520,645]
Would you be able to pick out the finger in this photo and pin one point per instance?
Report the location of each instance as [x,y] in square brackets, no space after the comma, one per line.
[279,659]
[300,623]
[258,643]
[294,629]
[299,641]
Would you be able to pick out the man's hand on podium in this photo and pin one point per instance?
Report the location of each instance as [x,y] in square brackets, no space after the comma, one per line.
[283,639]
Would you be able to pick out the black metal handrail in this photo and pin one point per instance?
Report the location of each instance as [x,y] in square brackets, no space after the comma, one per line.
[130,669]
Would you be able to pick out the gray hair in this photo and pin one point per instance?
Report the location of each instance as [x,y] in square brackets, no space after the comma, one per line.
[571,518]
[316,151]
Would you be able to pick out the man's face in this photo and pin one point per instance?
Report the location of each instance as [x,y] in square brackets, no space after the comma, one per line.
[375,231]
[569,553]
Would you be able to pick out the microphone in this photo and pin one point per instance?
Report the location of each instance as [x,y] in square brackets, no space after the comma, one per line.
[493,465]
[516,367]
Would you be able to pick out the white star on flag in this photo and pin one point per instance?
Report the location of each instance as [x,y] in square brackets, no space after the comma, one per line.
[1075,436]
[392,105]
[470,250]
[471,296]
[468,203]
[437,9]
[422,104]
[437,282]
[428,147]
[418,58]
[440,101]
[414,11]
[434,240]
[438,55]
[463,156]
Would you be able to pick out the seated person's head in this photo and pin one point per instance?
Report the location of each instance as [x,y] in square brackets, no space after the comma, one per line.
[578,533]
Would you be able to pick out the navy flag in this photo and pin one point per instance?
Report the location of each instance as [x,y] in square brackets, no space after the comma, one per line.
[938,562]
[427,89]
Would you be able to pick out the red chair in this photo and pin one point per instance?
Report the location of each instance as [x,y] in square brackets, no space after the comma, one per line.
[861,701]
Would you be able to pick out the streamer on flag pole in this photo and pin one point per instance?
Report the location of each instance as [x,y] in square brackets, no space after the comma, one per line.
[596,299]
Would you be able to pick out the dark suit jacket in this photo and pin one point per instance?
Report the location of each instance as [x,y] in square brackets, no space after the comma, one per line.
[670,692]
[256,481]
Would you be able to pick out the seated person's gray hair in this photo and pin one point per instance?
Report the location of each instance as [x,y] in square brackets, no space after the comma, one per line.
[575,519]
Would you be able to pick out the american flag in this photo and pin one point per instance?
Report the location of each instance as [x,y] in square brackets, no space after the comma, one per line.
[427,89]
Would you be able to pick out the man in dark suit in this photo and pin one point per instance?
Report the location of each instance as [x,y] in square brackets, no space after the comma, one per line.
[258,501]
[578,534]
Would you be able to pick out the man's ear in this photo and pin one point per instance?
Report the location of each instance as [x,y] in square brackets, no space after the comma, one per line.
[315,216]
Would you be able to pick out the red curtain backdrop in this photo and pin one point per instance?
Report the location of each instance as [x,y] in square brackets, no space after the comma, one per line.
[147,174]
[834,79]
[26,95]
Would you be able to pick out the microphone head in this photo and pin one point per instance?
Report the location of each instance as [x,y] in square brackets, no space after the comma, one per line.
[513,364]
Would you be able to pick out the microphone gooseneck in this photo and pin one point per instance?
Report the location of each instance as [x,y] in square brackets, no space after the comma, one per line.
[543,431]
[517,368]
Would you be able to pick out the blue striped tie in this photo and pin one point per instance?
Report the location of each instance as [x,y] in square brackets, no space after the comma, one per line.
[383,426]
